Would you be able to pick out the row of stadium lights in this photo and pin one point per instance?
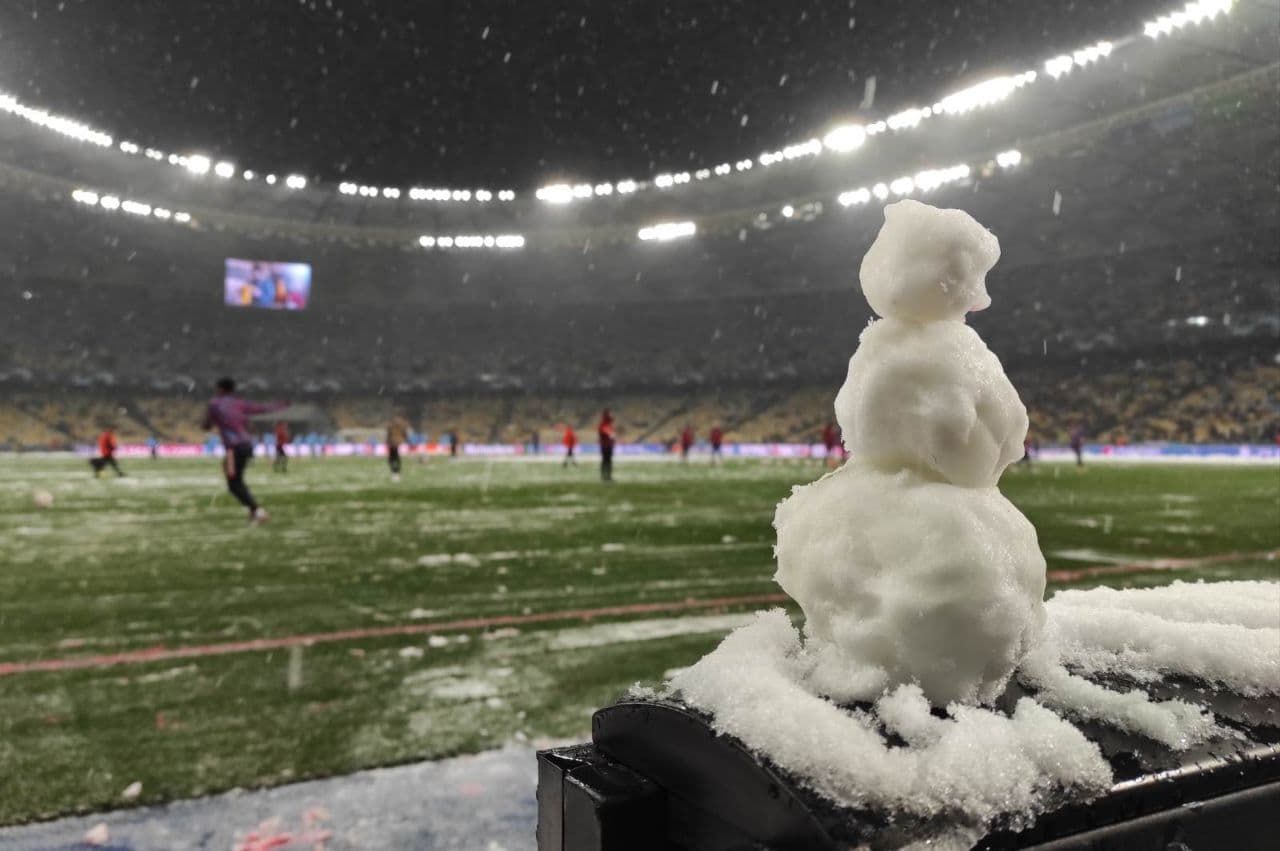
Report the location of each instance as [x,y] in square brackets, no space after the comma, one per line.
[506,240]
[922,181]
[850,137]
[113,203]
[842,139]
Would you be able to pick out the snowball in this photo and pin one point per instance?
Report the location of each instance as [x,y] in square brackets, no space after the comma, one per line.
[976,765]
[931,583]
[928,264]
[931,398]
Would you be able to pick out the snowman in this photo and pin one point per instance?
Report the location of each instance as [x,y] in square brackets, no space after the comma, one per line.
[909,564]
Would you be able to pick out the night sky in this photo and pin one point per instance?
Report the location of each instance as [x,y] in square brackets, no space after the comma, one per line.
[478,93]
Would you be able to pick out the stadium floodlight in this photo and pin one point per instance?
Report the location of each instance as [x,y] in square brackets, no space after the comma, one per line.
[483,195]
[153,154]
[85,196]
[664,181]
[390,192]
[162,213]
[1192,13]
[182,217]
[626,187]
[347,188]
[295,181]
[248,174]
[743,165]
[902,186]
[556,193]
[983,94]
[129,147]
[855,196]
[723,168]
[880,190]
[1008,159]
[905,119]
[510,194]
[197,164]
[511,240]
[788,211]
[137,208]
[427,241]
[665,231]
[224,169]
[603,189]
[845,138]
[271,180]
[109,202]
[702,174]
[445,242]
[1198,321]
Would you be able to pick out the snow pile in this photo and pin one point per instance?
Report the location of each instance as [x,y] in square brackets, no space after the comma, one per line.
[1227,633]
[975,765]
[908,560]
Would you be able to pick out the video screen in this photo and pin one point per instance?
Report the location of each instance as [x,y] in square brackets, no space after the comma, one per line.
[266,284]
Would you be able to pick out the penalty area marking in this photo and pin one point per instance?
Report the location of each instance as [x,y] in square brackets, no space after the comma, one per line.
[199,651]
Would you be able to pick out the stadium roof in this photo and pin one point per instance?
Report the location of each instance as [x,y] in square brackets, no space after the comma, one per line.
[520,94]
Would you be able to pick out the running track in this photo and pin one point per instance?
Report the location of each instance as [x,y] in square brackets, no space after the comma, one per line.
[162,653]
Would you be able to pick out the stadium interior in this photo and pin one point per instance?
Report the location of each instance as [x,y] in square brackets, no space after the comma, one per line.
[1137,293]
[475,226]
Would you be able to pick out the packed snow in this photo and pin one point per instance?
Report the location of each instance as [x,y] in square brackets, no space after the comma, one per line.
[909,560]
[923,588]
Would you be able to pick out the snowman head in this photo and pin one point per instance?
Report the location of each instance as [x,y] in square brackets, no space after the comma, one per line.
[928,264]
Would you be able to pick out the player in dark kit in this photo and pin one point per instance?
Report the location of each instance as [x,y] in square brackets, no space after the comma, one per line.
[106,454]
[717,441]
[1077,444]
[283,438]
[397,436]
[605,436]
[230,416]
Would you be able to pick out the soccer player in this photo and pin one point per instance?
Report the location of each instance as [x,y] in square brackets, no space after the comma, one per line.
[570,441]
[283,439]
[106,454]
[1077,443]
[605,434]
[230,414]
[453,443]
[686,443]
[830,440]
[717,441]
[397,435]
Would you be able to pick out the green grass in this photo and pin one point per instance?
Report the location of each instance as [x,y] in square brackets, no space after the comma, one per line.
[164,557]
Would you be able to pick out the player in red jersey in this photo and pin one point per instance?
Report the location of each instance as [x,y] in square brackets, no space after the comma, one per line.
[717,441]
[283,439]
[831,442]
[106,454]
[686,442]
[570,441]
[605,434]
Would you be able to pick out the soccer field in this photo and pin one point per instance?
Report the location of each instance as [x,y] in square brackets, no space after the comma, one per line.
[146,634]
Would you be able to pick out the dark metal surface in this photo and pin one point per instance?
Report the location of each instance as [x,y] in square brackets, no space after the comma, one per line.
[711,793]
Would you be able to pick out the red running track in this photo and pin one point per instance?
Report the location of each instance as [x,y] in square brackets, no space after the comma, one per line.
[161,653]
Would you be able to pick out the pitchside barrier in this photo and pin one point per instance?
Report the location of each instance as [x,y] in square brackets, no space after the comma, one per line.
[1235,452]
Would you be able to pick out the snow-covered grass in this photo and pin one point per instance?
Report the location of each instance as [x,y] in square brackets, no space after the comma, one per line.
[163,558]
